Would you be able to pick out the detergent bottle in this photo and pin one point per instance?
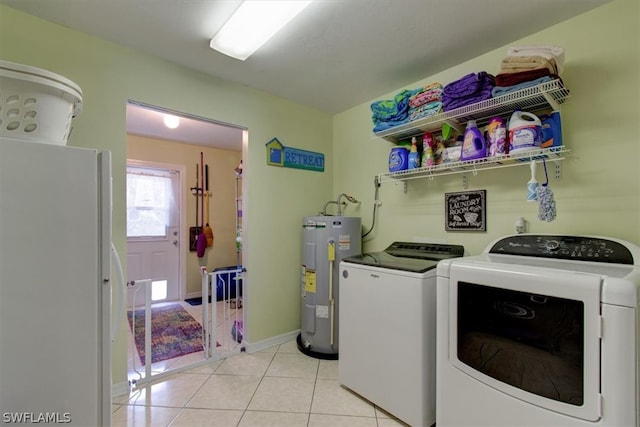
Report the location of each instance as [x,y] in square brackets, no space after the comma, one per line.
[496,137]
[551,130]
[473,143]
[428,155]
[414,156]
[525,132]
[398,158]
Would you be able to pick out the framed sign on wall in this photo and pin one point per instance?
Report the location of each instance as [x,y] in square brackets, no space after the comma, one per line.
[466,211]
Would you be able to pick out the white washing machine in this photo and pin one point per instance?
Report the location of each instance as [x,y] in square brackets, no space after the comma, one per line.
[387,327]
[540,330]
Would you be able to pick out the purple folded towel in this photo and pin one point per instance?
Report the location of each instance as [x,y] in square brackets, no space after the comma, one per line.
[467,90]
[449,104]
[462,87]
[469,85]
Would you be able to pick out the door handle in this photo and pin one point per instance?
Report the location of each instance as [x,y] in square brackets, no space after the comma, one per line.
[175,243]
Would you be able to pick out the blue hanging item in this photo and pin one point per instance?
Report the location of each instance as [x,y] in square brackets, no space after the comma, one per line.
[547,211]
[532,184]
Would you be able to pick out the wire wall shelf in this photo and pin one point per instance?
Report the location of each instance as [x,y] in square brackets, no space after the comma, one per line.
[548,95]
[552,154]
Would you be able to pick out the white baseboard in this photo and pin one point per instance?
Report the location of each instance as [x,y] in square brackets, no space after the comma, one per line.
[119,389]
[194,295]
[270,342]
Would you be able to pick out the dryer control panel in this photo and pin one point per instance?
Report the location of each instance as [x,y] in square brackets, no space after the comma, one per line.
[577,248]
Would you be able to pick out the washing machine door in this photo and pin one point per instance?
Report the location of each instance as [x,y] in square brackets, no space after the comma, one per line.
[532,333]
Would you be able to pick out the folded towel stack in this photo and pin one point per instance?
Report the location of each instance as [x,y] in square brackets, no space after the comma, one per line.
[425,102]
[526,66]
[552,53]
[514,64]
[391,112]
[467,90]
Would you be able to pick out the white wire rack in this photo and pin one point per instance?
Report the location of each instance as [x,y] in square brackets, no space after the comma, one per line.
[546,95]
[552,154]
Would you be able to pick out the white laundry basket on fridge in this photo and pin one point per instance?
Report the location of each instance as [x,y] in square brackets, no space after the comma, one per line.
[36,105]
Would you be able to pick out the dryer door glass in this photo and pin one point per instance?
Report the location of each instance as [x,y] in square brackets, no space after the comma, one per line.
[530,341]
[532,333]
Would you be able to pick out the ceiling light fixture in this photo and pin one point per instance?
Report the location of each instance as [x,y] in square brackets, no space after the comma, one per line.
[252,24]
[171,121]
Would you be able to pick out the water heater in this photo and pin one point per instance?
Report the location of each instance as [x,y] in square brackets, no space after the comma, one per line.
[325,241]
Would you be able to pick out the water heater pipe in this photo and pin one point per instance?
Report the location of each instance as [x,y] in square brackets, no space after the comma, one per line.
[331,256]
[339,203]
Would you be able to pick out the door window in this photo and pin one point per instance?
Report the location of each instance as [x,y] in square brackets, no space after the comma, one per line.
[150,198]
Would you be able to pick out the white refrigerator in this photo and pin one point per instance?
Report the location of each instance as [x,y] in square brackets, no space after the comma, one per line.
[55,284]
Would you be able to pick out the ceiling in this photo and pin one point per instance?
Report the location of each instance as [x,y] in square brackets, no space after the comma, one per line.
[335,55]
[146,120]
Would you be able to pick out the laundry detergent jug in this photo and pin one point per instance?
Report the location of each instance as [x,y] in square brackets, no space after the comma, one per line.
[473,143]
[525,132]
[551,130]
[496,137]
[398,158]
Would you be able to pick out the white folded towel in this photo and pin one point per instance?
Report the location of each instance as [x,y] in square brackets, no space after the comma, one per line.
[546,51]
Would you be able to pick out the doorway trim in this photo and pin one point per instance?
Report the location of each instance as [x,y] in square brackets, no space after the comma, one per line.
[182,208]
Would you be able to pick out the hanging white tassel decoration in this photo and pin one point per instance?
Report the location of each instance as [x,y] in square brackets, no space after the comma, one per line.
[547,210]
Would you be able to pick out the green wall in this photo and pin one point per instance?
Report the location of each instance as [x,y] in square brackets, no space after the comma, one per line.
[278,198]
[598,192]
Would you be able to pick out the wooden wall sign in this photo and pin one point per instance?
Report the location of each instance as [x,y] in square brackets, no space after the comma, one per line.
[279,155]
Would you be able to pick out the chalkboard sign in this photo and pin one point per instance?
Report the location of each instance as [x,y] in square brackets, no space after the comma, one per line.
[465,211]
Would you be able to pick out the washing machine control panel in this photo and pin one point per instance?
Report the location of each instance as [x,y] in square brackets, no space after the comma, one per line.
[578,248]
[424,250]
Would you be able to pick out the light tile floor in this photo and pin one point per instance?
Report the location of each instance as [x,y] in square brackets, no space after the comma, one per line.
[278,387]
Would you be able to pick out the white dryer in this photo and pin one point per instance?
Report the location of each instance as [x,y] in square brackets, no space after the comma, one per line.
[387,327]
[540,330]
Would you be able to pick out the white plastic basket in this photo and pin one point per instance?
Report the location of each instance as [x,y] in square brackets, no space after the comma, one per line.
[36,105]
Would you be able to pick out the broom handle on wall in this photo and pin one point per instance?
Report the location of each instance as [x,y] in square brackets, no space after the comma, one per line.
[202,177]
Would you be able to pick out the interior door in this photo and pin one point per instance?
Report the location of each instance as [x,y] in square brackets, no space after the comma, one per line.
[153,240]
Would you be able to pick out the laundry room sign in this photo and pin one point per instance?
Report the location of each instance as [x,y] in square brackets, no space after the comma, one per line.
[465,211]
[279,155]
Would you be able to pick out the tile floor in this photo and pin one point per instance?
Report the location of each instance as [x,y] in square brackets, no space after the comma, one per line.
[276,387]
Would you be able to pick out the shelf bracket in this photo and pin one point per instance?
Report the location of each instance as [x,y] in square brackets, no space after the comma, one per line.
[552,102]
[465,181]
[558,171]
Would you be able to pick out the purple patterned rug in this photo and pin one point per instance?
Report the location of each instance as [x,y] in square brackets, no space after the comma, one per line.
[174,332]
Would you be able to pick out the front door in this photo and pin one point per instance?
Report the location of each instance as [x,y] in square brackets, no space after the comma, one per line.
[153,240]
